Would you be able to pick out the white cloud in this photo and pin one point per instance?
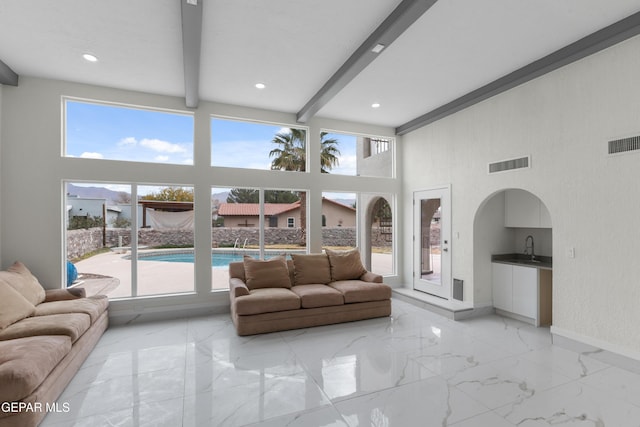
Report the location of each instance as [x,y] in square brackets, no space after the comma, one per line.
[128,141]
[90,155]
[348,166]
[161,158]
[162,146]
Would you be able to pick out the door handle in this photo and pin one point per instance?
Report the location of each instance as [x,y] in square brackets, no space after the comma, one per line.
[445,249]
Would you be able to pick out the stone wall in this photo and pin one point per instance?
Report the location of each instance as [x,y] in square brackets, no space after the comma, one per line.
[81,242]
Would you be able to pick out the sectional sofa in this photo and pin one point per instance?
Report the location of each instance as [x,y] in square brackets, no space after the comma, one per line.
[308,290]
[45,336]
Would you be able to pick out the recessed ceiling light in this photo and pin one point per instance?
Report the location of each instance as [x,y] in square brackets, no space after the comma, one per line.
[89,57]
[378,48]
[375,105]
[260,85]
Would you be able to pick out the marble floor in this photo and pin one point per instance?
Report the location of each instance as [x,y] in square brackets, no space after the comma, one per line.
[412,369]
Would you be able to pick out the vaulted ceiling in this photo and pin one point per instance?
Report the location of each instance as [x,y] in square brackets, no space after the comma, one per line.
[313,56]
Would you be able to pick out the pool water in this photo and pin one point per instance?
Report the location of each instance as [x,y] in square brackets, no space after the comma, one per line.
[217,259]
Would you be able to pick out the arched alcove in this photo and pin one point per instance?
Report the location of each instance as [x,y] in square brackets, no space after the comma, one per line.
[496,232]
[378,236]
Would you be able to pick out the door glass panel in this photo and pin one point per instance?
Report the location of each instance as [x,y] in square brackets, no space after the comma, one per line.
[431,240]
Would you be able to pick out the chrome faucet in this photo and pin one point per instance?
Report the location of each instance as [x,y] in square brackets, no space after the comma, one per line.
[528,247]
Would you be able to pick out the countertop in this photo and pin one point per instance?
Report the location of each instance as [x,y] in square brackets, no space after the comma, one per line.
[541,262]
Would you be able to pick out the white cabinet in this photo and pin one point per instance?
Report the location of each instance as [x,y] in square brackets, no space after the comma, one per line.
[522,291]
[525,291]
[502,286]
[523,209]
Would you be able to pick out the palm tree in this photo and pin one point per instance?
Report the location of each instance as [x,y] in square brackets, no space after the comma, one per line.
[291,155]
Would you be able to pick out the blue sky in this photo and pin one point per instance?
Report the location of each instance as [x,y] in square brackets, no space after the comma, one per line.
[247,145]
[102,131]
[108,132]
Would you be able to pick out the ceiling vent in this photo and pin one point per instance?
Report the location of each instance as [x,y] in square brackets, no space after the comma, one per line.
[508,165]
[624,145]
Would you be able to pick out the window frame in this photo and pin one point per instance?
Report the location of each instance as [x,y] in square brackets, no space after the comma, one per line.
[64,125]
[213,117]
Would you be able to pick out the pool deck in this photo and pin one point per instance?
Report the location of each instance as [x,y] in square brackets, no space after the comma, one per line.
[161,277]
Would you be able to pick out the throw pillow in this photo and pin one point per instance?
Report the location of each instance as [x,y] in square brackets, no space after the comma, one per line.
[311,269]
[20,278]
[345,265]
[270,273]
[13,306]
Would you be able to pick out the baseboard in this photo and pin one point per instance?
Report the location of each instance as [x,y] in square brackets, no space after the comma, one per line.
[451,309]
[601,350]
[515,316]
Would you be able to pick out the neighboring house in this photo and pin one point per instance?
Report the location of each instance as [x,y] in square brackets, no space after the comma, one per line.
[336,214]
[91,207]
[284,215]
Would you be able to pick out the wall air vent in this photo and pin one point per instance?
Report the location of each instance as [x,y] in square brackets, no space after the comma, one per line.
[507,165]
[624,145]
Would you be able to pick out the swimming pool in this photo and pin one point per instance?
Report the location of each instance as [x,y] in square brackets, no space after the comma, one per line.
[218,259]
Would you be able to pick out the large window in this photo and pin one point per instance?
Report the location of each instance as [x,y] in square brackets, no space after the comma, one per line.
[363,220]
[251,145]
[345,154]
[113,132]
[245,224]
[129,240]
[137,238]
[340,220]
[379,229]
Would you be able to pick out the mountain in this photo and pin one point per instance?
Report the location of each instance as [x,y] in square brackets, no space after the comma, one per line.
[112,197]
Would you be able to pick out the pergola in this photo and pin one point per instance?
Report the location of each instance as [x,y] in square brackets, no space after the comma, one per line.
[163,206]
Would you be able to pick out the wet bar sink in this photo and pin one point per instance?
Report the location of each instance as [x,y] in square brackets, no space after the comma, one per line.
[543,262]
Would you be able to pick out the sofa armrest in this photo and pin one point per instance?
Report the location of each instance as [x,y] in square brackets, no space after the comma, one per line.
[371,277]
[64,294]
[237,287]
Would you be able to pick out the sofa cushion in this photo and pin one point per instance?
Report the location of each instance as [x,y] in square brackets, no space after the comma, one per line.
[311,269]
[345,265]
[267,300]
[13,306]
[93,306]
[359,291]
[271,273]
[26,362]
[72,325]
[312,296]
[64,294]
[21,279]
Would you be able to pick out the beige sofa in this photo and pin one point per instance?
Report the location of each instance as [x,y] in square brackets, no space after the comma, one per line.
[309,290]
[45,336]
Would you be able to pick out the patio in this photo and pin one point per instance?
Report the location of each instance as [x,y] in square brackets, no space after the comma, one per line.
[162,277]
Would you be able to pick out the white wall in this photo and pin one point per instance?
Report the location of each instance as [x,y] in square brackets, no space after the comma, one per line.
[1,187]
[563,120]
[32,162]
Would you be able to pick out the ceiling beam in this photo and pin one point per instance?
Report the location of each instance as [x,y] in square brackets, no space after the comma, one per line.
[403,16]
[7,75]
[191,41]
[593,43]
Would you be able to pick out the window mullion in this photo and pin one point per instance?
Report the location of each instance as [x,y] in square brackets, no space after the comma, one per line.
[134,240]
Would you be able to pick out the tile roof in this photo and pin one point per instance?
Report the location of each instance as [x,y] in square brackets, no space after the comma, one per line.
[253,209]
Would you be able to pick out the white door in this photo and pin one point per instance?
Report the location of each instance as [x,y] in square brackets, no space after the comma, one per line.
[432,237]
